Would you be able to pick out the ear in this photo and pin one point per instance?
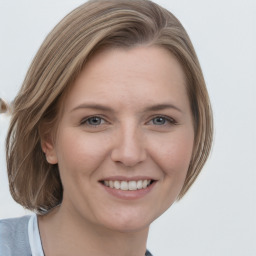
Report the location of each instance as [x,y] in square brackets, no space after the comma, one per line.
[48,148]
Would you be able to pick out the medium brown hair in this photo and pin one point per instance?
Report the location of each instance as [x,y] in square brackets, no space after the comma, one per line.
[4,107]
[36,184]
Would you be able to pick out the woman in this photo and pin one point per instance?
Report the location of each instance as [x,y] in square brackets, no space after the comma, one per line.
[111,126]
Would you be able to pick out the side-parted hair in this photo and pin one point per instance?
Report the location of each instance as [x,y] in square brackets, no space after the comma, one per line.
[97,24]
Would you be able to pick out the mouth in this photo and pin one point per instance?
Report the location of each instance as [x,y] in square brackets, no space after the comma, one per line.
[125,185]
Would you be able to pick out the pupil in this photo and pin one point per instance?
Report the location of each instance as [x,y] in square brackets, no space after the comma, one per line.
[94,120]
[159,120]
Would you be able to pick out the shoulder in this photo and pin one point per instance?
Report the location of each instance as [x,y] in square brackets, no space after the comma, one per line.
[148,253]
[14,236]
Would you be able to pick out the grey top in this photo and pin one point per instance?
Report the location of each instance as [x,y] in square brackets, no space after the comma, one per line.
[14,240]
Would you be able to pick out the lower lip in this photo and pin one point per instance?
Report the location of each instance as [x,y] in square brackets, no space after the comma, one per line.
[129,194]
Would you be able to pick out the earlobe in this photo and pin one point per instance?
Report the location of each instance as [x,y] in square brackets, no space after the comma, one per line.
[50,153]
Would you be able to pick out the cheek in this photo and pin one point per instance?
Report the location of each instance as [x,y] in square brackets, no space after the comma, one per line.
[173,153]
[80,153]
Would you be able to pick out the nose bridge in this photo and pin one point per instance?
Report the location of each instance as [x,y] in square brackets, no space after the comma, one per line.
[129,148]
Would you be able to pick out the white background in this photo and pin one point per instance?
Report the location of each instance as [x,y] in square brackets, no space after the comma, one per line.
[218,215]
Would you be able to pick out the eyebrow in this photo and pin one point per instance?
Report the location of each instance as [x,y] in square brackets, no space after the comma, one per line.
[156,107]
[93,106]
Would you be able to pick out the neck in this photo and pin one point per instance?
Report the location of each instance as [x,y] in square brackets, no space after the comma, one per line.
[63,233]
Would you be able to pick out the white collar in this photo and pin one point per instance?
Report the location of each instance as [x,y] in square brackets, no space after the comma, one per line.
[34,237]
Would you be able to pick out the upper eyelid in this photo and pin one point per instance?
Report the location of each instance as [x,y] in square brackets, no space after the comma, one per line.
[83,120]
[168,118]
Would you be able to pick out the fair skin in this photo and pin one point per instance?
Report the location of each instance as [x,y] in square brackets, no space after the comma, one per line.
[126,122]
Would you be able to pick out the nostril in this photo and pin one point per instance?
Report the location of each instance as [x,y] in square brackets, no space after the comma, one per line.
[128,157]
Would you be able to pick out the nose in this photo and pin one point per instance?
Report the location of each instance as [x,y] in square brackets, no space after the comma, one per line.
[129,148]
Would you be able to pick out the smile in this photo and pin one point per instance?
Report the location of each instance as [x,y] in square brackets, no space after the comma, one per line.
[127,185]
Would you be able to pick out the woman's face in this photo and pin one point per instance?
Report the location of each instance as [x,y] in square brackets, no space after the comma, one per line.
[125,138]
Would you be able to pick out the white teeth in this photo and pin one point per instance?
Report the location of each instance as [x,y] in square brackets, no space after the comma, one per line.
[124,185]
[145,183]
[139,184]
[132,185]
[116,184]
[111,184]
[127,185]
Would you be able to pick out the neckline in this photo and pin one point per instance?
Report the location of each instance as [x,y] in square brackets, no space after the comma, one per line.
[34,236]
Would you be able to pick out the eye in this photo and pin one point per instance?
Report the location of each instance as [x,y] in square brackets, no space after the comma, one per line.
[159,120]
[162,121]
[93,121]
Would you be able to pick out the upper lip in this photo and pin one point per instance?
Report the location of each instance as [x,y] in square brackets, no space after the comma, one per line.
[125,178]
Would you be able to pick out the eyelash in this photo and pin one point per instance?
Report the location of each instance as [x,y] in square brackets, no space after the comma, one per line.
[168,119]
[85,120]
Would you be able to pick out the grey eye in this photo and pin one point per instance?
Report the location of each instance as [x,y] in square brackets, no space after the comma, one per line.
[159,120]
[94,121]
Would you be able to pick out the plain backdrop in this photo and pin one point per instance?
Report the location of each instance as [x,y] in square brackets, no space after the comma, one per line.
[218,215]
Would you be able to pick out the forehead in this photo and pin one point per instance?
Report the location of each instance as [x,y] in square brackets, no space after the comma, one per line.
[138,75]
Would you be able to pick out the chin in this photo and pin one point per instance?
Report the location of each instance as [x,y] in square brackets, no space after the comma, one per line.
[128,223]
[132,227]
